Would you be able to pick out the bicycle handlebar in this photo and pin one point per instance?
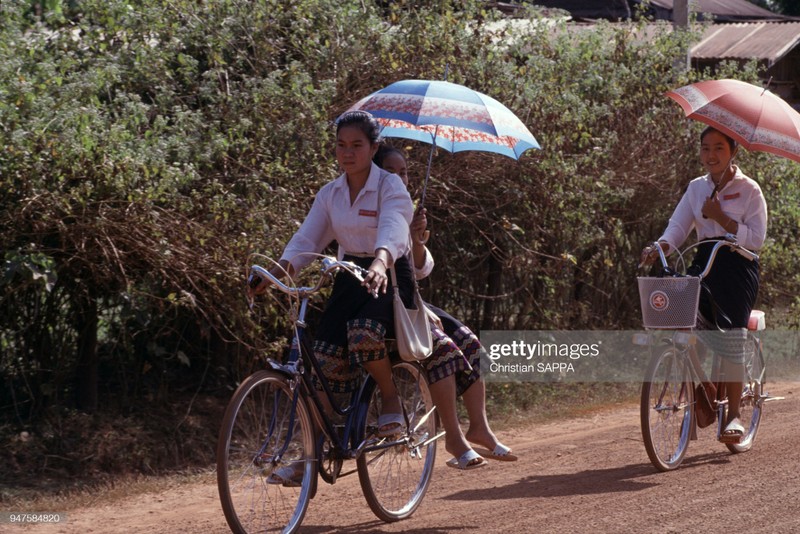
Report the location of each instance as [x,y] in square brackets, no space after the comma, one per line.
[330,266]
[729,241]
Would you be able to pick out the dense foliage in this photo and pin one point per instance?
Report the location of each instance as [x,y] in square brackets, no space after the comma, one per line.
[148,147]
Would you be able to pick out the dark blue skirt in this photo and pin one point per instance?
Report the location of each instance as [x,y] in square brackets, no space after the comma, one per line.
[733,286]
[350,300]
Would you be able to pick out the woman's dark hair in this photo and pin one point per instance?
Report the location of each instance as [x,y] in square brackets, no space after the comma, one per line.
[361,120]
[384,151]
[708,129]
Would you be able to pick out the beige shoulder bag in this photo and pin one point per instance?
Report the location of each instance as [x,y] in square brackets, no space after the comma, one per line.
[411,327]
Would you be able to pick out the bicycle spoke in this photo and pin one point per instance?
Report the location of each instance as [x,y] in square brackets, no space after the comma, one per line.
[394,476]
[666,409]
[266,449]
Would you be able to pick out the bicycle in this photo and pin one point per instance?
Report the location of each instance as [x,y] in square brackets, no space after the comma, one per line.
[275,424]
[675,379]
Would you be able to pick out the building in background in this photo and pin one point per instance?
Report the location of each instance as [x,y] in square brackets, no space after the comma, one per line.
[737,30]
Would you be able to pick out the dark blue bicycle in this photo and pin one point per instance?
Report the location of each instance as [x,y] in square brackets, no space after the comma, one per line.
[276,437]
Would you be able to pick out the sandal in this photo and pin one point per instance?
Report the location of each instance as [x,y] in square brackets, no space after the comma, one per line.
[501,453]
[733,433]
[395,423]
[289,476]
[468,460]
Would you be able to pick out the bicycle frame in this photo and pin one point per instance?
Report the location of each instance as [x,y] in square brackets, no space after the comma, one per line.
[301,355]
[280,434]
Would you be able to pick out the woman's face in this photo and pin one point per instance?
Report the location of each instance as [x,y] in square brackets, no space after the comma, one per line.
[715,153]
[354,150]
[396,164]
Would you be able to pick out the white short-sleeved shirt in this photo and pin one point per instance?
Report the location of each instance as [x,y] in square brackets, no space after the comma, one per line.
[360,228]
[427,267]
[741,200]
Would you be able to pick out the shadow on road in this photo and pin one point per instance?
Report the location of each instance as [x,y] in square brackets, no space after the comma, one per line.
[635,477]
[374,526]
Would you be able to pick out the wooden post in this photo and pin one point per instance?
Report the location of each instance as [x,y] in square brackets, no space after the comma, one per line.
[680,22]
[680,14]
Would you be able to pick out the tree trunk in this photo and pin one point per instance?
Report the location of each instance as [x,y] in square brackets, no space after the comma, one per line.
[492,291]
[86,372]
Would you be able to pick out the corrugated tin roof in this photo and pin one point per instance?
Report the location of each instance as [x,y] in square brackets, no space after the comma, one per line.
[592,9]
[748,40]
[735,8]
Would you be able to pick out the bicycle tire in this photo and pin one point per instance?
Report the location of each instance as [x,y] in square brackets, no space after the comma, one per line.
[252,445]
[751,402]
[667,409]
[394,479]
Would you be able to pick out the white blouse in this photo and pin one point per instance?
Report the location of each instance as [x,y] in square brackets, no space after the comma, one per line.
[741,200]
[427,267]
[360,228]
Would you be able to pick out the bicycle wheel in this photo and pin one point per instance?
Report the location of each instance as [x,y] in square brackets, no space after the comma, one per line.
[667,409]
[750,403]
[264,430]
[394,478]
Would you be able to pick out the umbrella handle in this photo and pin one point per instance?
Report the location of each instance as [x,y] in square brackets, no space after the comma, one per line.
[428,171]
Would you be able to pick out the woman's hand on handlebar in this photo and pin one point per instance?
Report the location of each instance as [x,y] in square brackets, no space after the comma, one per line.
[376,281]
[278,271]
[650,253]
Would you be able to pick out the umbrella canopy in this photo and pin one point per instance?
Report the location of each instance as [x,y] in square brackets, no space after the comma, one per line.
[449,116]
[756,118]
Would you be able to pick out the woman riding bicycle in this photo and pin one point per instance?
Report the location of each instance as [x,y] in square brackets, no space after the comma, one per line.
[367,211]
[723,202]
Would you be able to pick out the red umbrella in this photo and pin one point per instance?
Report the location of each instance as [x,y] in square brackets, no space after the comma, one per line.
[756,118]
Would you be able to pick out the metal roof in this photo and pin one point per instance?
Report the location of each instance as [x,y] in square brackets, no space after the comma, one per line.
[768,41]
[728,8]
[590,9]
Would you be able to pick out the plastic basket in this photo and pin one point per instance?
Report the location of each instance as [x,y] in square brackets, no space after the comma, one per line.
[669,302]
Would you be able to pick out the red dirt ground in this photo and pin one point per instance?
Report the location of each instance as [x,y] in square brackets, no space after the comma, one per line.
[578,475]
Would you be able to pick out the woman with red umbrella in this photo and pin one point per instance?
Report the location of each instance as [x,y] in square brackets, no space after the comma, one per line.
[723,202]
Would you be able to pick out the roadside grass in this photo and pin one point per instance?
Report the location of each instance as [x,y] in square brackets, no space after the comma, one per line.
[508,406]
[61,496]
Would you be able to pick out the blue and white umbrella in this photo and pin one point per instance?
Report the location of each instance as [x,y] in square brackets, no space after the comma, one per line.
[449,116]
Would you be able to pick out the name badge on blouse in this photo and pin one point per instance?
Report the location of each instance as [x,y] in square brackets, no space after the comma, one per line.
[368,213]
[731,196]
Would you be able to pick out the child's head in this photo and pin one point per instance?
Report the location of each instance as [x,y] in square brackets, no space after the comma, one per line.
[393,160]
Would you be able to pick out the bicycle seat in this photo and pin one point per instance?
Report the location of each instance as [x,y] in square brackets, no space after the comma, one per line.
[757,320]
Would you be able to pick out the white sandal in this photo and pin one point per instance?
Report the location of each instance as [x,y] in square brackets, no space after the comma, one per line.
[501,453]
[467,461]
[390,419]
[290,476]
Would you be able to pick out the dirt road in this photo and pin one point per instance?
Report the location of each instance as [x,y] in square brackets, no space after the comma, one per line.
[579,475]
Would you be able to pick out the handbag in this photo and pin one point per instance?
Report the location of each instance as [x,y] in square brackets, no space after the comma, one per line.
[411,327]
[705,414]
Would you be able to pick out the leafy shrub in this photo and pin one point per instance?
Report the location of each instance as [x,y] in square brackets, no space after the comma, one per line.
[148,147]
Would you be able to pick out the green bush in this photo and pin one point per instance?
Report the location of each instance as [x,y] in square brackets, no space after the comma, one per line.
[149,147]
